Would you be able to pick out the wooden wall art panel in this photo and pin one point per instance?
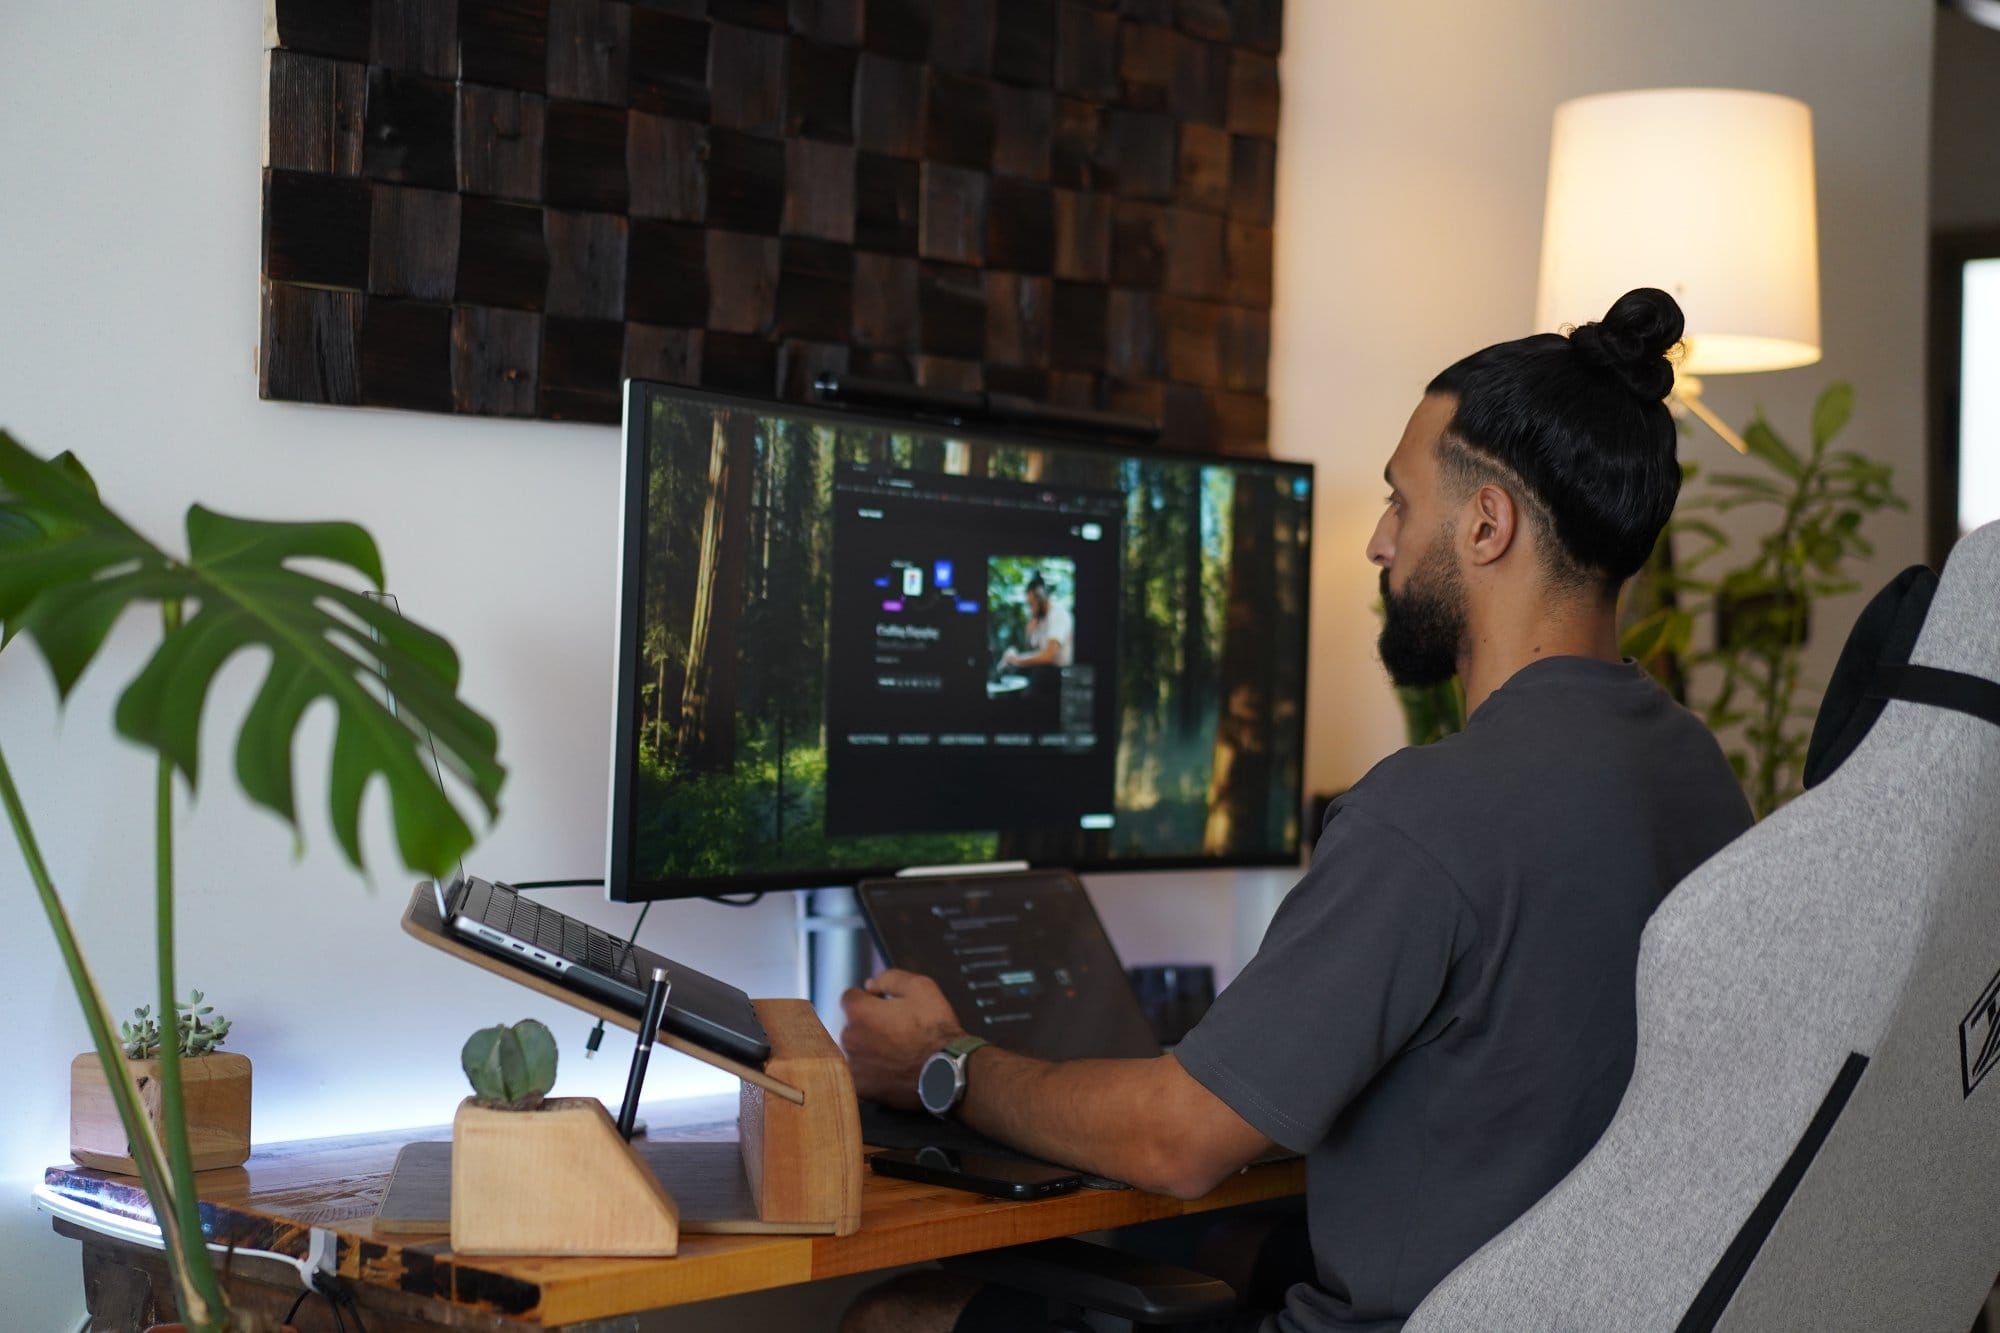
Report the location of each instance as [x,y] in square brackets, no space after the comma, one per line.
[503,207]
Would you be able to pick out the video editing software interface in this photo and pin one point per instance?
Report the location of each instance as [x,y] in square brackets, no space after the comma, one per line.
[851,645]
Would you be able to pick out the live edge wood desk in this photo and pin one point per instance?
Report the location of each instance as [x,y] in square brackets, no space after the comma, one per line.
[401,1283]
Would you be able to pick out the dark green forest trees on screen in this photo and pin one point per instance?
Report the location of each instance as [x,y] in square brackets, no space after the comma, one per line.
[733,618]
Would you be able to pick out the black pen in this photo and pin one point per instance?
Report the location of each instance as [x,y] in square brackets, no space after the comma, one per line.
[649,1028]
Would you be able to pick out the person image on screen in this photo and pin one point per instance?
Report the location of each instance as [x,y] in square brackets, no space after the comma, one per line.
[1441,1014]
[1051,631]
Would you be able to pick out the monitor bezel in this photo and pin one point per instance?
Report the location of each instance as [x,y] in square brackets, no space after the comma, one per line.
[619,886]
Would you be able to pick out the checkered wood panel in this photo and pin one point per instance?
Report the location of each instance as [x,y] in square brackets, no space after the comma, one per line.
[502,207]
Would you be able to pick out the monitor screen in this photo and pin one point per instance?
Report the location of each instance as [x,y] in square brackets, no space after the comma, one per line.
[850,645]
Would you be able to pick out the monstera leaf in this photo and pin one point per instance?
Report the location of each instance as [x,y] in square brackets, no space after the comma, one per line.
[69,567]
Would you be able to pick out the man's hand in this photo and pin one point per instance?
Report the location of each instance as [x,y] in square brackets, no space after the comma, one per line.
[1010,658]
[895,1022]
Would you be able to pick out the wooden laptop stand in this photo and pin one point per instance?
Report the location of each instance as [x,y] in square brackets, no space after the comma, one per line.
[798,1135]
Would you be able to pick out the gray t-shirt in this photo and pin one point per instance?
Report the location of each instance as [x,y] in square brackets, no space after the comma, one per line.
[1441,1014]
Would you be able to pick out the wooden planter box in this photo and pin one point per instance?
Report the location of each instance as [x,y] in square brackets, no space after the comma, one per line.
[215,1087]
[558,1180]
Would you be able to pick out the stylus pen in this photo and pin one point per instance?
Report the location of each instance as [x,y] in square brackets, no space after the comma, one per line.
[649,1027]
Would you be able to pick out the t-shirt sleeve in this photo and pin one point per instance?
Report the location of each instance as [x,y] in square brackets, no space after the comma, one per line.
[1353,965]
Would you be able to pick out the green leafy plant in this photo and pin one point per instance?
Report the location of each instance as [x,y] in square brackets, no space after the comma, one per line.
[1746,684]
[198,1029]
[511,1068]
[69,569]
[1432,712]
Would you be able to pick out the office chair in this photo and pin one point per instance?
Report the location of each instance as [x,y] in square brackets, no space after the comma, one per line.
[1811,1136]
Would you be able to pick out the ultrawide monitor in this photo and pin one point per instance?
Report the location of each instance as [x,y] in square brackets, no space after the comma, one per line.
[850,644]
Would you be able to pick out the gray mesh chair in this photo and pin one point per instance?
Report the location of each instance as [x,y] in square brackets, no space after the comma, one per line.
[1811,1137]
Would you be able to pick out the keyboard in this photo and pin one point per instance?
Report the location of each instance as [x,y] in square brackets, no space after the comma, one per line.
[551,931]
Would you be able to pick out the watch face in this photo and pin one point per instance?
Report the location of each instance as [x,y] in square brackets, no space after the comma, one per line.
[937,1085]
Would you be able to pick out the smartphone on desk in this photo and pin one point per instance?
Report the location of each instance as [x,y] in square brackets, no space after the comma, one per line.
[981,1173]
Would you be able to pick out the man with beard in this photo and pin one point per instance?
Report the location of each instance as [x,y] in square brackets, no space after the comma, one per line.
[1441,1014]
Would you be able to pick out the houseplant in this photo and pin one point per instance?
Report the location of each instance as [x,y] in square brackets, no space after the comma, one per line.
[69,569]
[511,1141]
[1744,677]
[215,1090]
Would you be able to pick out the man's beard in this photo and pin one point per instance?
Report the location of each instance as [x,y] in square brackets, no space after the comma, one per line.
[1424,628]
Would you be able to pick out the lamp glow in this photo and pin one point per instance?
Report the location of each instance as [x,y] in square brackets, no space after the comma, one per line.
[1706,193]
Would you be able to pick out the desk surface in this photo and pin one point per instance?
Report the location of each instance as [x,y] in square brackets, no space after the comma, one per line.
[274,1200]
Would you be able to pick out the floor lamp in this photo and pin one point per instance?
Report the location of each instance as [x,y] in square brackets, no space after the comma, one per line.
[1706,193]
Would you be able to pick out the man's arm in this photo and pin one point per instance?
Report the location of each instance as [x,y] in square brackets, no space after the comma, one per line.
[1042,656]
[1146,1122]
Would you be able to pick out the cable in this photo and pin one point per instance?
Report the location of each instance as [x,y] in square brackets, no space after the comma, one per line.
[747,900]
[596,1037]
[551,884]
[301,1300]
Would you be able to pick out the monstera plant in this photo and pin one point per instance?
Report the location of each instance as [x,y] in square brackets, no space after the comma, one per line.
[69,569]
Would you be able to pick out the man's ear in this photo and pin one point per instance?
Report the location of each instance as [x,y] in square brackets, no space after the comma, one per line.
[1495,520]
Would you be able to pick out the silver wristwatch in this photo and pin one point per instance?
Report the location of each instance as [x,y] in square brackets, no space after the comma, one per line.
[941,1085]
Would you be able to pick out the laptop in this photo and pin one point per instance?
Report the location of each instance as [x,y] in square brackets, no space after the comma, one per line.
[497,919]
[1025,962]
[1022,957]
[505,922]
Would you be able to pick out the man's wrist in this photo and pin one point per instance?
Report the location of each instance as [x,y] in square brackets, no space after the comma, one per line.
[941,1082]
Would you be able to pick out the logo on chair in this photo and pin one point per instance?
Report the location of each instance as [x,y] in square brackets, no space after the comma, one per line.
[1979,1036]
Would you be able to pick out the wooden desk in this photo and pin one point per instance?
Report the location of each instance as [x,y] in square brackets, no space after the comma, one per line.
[403,1283]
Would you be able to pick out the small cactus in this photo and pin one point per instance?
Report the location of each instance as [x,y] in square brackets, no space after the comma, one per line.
[511,1068]
[195,1032]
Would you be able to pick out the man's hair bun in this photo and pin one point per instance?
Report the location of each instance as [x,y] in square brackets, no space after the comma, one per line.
[1633,339]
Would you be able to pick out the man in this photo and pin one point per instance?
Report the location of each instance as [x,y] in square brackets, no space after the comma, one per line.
[1441,1014]
[1051,631]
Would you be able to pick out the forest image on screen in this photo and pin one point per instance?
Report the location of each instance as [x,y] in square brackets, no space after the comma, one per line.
[862,647]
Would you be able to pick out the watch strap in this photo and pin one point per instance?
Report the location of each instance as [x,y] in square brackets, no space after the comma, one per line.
[964,1046]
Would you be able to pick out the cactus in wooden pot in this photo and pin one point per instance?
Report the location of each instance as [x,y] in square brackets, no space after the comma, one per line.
[511,1068]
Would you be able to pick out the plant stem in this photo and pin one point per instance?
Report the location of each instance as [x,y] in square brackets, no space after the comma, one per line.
[139,1135]
[173,1104]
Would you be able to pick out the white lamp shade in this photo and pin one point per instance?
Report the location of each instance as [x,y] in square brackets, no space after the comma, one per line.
[1706,193]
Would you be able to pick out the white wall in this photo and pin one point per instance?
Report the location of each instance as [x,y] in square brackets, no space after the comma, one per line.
[1410,188]
[1412,160]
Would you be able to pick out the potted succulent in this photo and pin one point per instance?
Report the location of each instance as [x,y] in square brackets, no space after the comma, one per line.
[215,1088]
[69,569]
[512,1143]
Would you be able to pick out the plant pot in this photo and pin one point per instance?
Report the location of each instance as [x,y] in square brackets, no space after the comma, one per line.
[555,1180]
[215,1088]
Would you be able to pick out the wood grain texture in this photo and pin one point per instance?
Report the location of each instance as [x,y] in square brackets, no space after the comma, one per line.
[803,1158]
[555,1181]
[746,79]
[667,274]
[413,242]
[313,113]
[215,1089]
[586,264]
[500,142]
[316,229]
[311,348]
[494,357]
[667,167]
[415,36]
[589,45]
[505,44]
[411,130]
[819,190]
[583,157]
[953,219]
[406,354]
[1125,144]
[283,1190]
